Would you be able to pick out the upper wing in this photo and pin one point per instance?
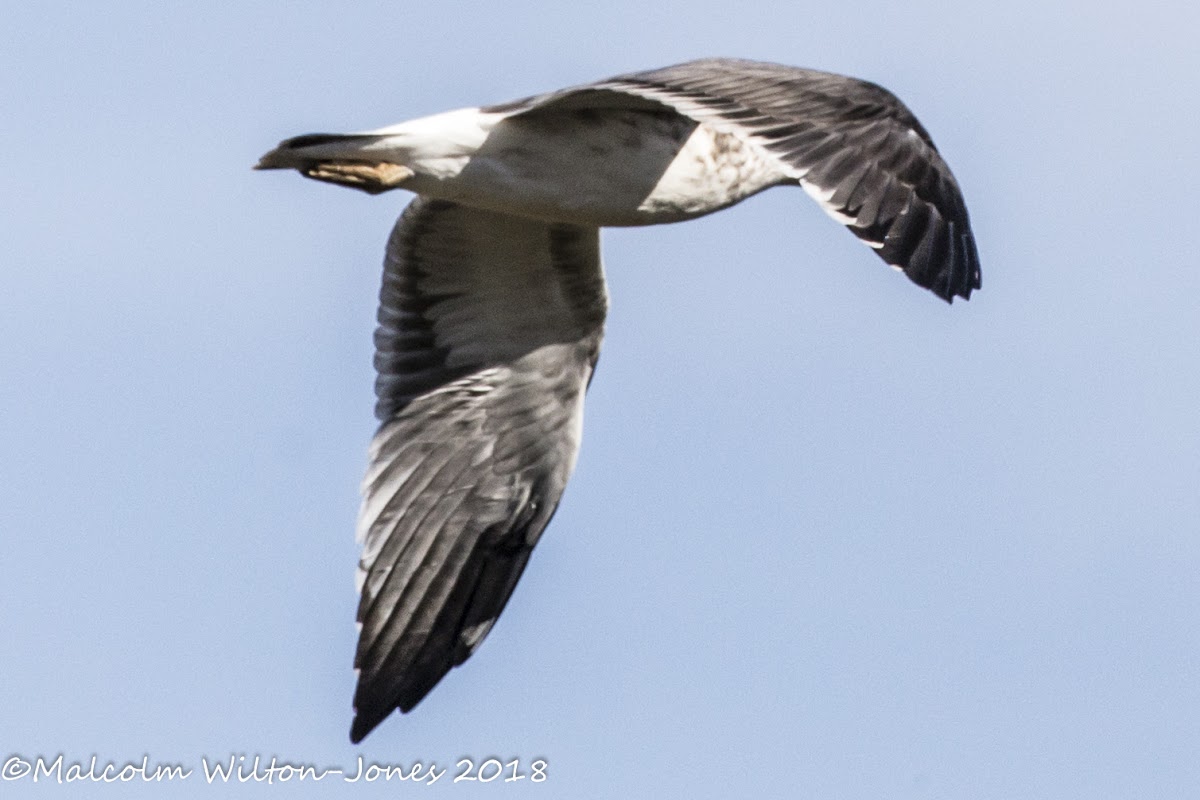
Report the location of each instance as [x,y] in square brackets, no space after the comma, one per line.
[852,145]
[489,328]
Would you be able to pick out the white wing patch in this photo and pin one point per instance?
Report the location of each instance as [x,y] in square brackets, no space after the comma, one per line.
[712,170]
[822,197]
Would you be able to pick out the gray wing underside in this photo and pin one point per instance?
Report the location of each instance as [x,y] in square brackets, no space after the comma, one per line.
[489,328]
[852,145]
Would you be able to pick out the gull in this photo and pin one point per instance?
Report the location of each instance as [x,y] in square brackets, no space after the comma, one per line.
[493,302]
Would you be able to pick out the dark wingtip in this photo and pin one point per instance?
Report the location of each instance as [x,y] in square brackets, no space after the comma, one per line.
[938,255]
[361,726]
[368,714]
[972,277]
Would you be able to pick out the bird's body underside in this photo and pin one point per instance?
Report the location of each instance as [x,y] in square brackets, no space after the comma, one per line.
[619,167]
[493,302]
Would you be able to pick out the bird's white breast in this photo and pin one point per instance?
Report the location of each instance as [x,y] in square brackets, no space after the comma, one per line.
[713,170]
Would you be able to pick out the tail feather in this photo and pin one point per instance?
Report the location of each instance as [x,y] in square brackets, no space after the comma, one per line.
[301,151]
[345,159]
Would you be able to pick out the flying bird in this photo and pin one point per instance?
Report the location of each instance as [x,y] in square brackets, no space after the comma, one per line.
[493,302]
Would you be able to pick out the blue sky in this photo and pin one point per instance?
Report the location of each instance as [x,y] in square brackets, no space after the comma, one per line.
[827,537]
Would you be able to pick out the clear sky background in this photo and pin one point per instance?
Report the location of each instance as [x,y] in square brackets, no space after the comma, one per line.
[828,537]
